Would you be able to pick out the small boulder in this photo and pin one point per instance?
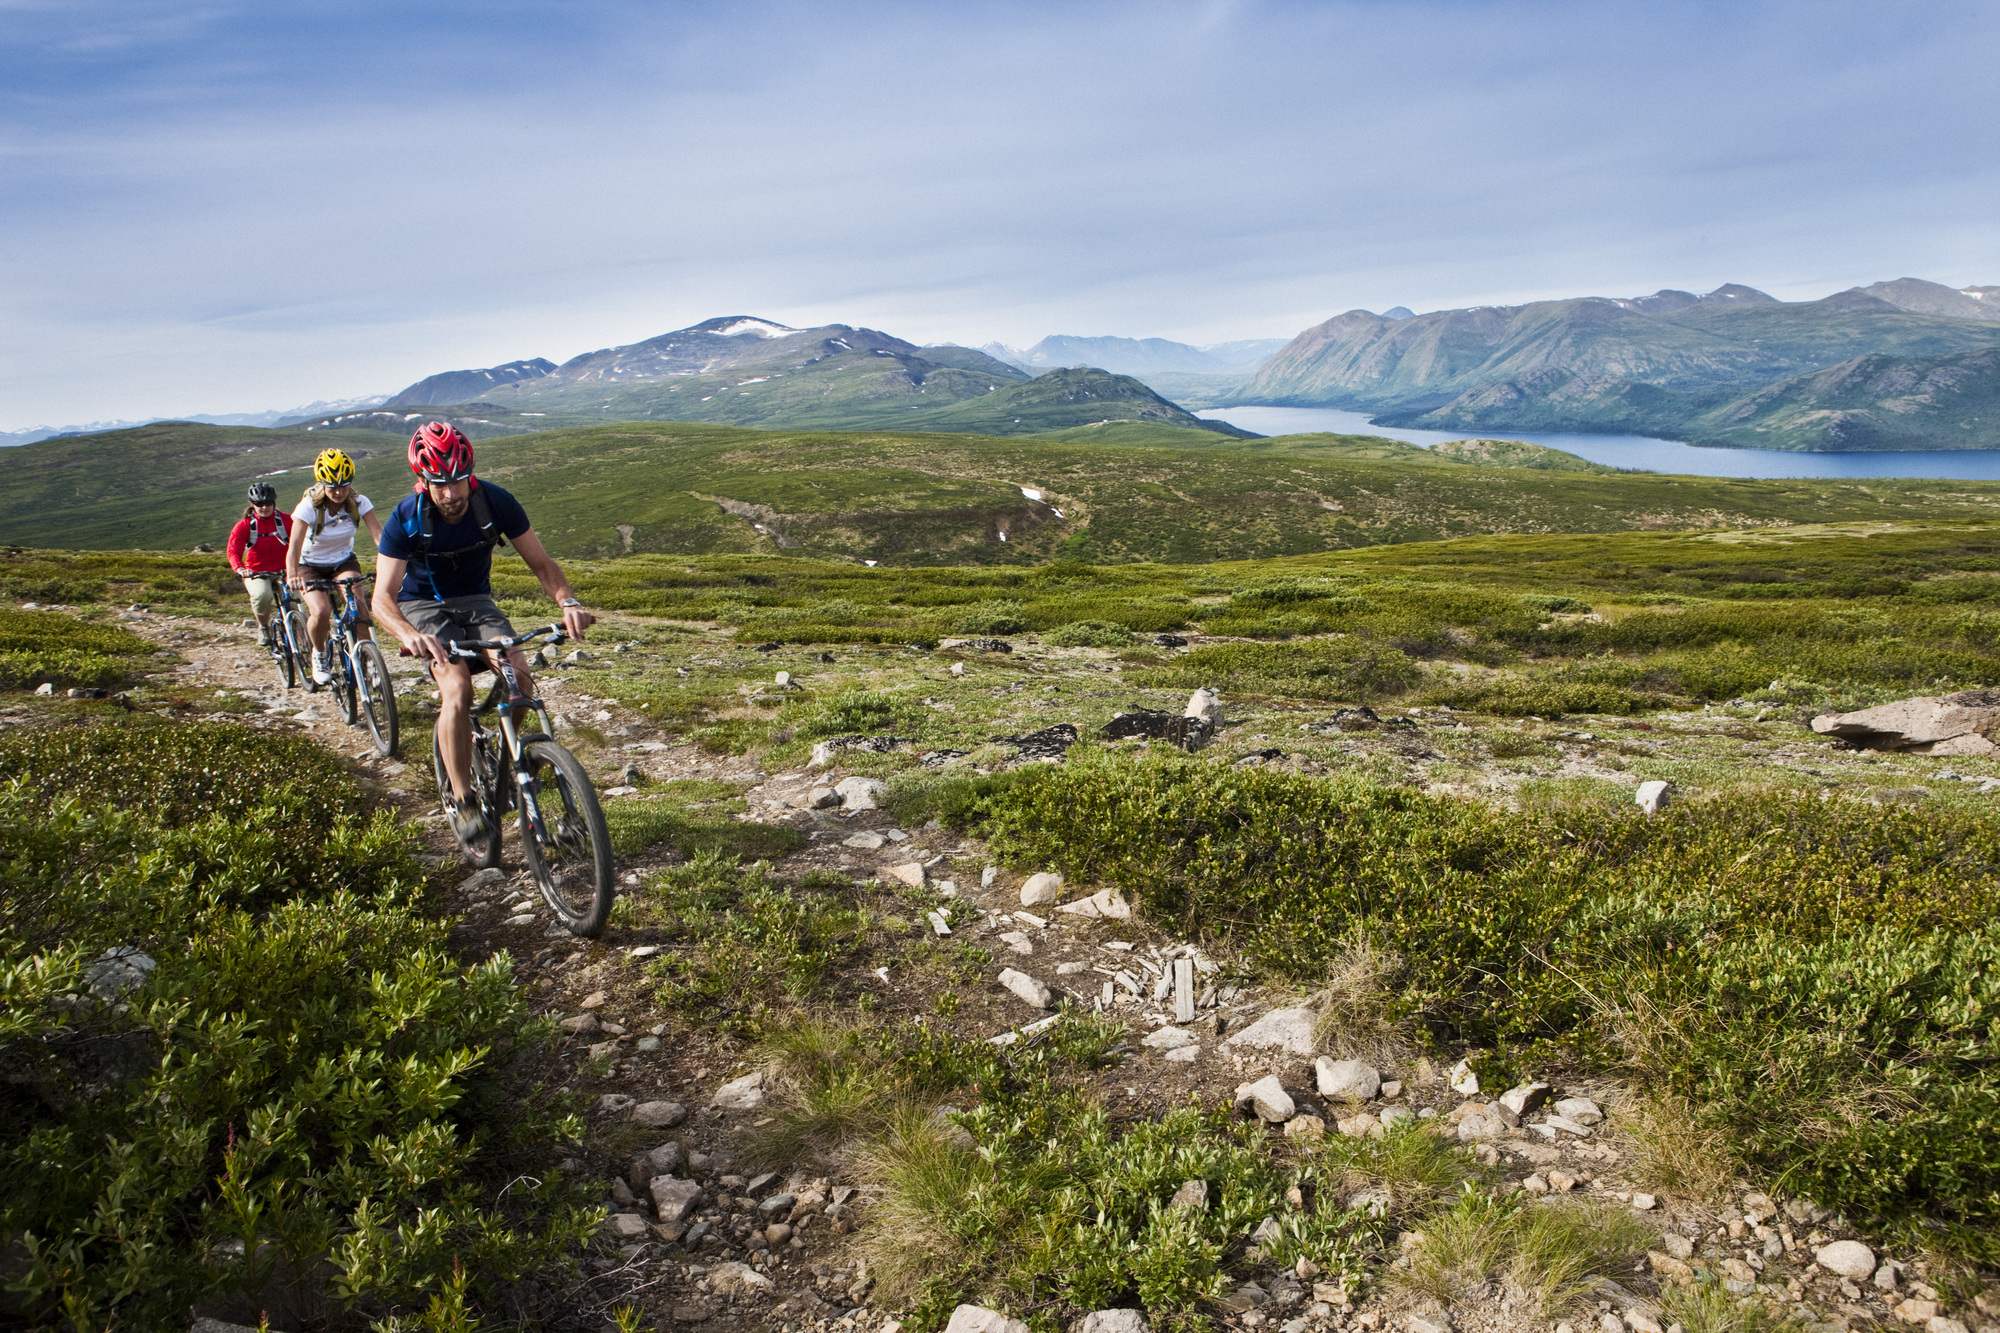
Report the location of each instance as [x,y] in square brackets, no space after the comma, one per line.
[1268,1099]
[659,1115]
[1580,1109]
[1652,797]
[1305,1127]
[860,793]
[1289,1030]
[1112,1321]
[1168,1039]
[1042,889]
[822,798]
[1525,1099]
[1026,987]
[738,1279]
[1104,905]
[979,1319]
[1362,1126]
[1206,704]
[1354,1080]
[1848,1258]
[1462,1079]
[665,1160]
[674,1198]
[741,1094]
[911,873]
[1191,1197]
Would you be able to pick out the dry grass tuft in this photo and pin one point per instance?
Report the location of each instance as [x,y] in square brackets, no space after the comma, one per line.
[1354,1022]
[1540,1253]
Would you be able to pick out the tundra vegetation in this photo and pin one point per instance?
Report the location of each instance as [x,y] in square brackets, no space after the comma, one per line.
[1791,969]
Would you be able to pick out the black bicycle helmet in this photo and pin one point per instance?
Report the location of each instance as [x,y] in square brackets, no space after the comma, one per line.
[263,493]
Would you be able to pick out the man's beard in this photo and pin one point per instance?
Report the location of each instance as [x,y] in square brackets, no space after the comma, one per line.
[453,513]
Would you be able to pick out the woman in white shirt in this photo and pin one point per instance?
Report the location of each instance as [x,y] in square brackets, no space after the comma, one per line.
[324,526]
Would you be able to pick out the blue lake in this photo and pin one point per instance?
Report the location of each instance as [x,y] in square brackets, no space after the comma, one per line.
[1638,451]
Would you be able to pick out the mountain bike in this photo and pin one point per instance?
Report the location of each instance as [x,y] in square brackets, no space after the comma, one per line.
[290,650]
[563,835]
[360,672]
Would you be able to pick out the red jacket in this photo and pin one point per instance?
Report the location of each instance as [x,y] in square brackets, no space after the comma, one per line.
[268,554]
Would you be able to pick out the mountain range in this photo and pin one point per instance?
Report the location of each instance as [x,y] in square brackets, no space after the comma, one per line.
[1891,366]
[1137,356]
[744,371]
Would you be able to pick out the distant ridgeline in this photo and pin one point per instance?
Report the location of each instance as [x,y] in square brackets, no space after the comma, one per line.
[1899,365]
[742,371]
[1124,491]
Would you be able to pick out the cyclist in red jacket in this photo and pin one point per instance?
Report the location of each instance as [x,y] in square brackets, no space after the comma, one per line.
[257,545]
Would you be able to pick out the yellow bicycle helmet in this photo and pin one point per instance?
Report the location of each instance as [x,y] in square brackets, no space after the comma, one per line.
[333,468]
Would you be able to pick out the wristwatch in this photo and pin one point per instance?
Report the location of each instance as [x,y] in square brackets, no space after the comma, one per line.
[571,601]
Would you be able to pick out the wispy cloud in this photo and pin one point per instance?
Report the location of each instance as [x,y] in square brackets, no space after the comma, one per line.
[236,206]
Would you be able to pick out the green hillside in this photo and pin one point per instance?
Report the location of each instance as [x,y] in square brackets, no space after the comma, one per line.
[931,499]
[1644,366]
[1871,402]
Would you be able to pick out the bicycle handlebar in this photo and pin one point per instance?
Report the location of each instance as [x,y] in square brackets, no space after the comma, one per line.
[471,647]
[330,584]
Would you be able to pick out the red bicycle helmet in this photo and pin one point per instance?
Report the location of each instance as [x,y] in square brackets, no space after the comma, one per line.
[439,451]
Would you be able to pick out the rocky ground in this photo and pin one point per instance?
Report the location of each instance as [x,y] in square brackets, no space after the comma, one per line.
[697,1237]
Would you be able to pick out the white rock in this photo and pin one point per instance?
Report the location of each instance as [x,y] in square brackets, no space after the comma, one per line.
[1041,889]
[1204,702]
[1283,1029]
[1396,1115]
[1025,986]
[782,678]
[822,798]
[860,793]
[1354,1079]
[1580,1109]
[1112,1321]
[1018,941]
[958,668]
[659,1115]
[1071,969]
[741,1094]
[1184,1055]
[737,1277]
[1480,1126]
[987,876]
[1848,1258]
[979,1319]
[1462,1079]
[625,1226]
[1652,797]
[1105,905]
[673,1198]
[46,688]
[1525,1099]
[910,873]
[863,841]
[1268,1098]
[1168,1039]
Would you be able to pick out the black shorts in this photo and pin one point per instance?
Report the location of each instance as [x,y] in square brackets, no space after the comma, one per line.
[327,573]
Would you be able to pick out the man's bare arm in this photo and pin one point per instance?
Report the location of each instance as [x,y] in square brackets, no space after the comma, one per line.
[575,619]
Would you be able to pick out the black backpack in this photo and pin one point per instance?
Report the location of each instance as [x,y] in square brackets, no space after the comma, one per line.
[482,514]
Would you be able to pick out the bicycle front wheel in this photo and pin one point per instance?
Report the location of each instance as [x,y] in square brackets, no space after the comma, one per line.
[281,653]
[378,696]
[302,653]
[345,692]
[484,850]
[564,839]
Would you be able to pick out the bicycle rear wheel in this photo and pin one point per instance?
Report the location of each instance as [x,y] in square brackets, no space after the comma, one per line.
[483,851]
[378,696]
[345,692]
[564,839]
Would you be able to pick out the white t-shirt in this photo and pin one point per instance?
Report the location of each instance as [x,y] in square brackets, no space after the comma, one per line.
[335,541]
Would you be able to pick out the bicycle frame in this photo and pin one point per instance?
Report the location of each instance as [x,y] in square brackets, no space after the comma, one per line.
[344,621]
[506,699]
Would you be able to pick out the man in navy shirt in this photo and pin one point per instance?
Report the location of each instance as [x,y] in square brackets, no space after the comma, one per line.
[433,585]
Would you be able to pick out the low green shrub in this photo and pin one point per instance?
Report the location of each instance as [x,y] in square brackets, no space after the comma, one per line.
[48,646]
[1350,668]
[1090,634]
[956,800]
[306,1076]
[998,616]
[1801,947]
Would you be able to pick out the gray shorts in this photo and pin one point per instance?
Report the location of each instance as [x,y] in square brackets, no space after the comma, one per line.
[458,619]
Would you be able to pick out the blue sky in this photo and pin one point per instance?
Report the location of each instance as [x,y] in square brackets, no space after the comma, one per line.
[226,207]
